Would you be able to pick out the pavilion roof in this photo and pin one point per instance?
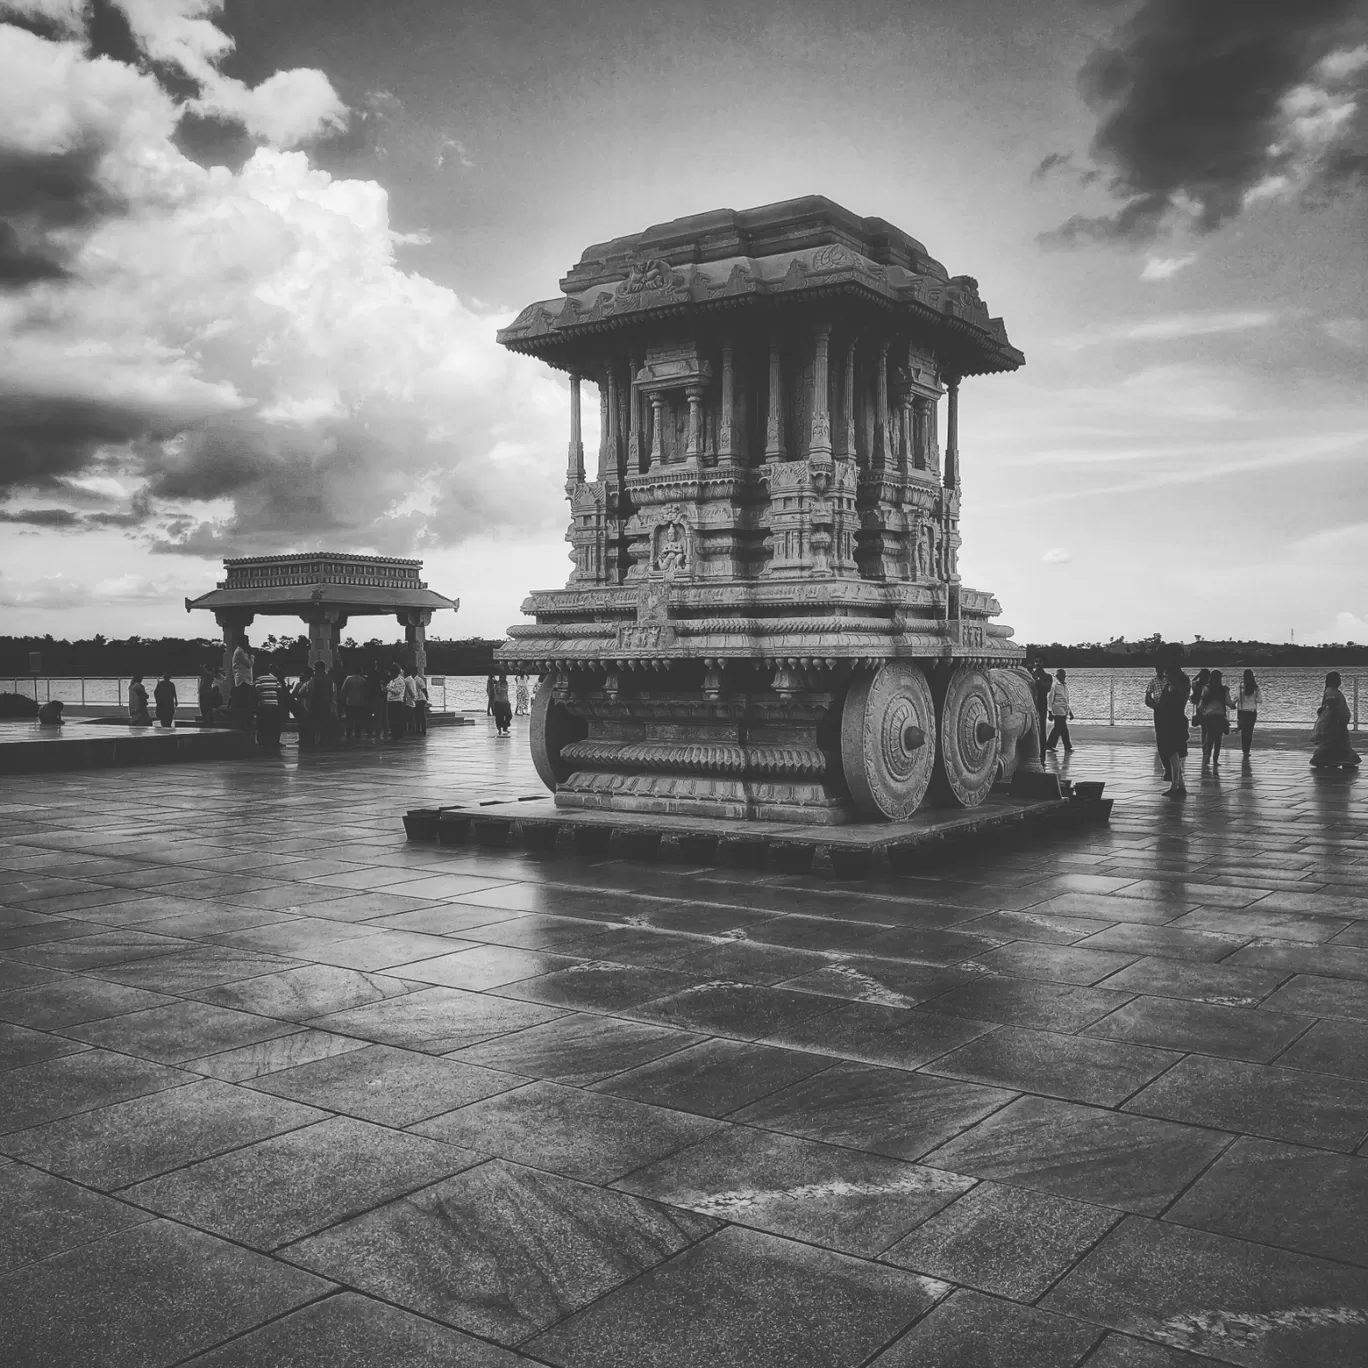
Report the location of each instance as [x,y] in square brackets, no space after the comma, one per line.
[357,600]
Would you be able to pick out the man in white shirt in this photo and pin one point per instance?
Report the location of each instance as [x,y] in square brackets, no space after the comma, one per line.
[410,704]
[420,711]
[242,698]
[394,703]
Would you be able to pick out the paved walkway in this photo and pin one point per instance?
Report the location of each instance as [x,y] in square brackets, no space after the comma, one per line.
[278,1089]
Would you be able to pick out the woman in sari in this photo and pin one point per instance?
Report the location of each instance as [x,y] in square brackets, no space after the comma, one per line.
[1331,733]
[1171,726]
[138,714]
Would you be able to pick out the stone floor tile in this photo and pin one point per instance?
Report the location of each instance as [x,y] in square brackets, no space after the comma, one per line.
[500,1250]
[1217,983]
[102,948]
[527,931]
[72,1000]
[1189,891]
[1333,1047]
[271,1056]
[1046,927]
[1121,1351]
[577,1050]
[309,991]
[76,1083]
[771,1303]
[883,1111]
[969,1330]
[874,1034]
[1074,1068]
[1308,994]
[182,1030]
[126,1142]
[743,1011]
[1285,1195]
[1165,942]
[1111,908]
[599,986]
[1256,921]
[391,1086]
[291,1185]
[1054,963]
[1228,1299]
[143,1298]
[437,1020]
[1201,1027]
[193,969]
[348,1331]
[1108,1158]
[16,975]
[1027,1002]
[42,1215]
[1009,1241]
[44,932]
[714,1078]
[482,966]
[1332,961]
[1264,1100]
[890,983]
[20,1046]
[839,1198]
[591,1136]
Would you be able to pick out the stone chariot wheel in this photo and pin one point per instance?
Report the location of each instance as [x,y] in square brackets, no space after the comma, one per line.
[551,728]
[888,740]
[967,757]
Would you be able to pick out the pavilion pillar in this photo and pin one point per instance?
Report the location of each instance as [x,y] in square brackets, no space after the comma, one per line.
[850,453]
[726,449]
[324,634]
[574,470]
[774,423]
[880,456]
[819,445]
[415,633]
[633,401]
[952,475]
[604,432]
[235,625]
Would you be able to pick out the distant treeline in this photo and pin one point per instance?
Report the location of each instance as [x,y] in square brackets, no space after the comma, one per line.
[1211,654]
[184,656]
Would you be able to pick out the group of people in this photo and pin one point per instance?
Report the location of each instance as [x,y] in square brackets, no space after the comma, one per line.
[497,703]
[1053,708]
[163,698]
[1170,691]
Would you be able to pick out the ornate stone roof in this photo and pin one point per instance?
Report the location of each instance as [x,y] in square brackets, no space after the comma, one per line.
[794,251]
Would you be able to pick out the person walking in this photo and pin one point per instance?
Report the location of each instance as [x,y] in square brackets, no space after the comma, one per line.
[489,695]
[206,693]
[164,695]
[394,703]
[1041,684]
[420,710]
[1171,725]
[1213,714]
[1153,690]
[240,699]
[524,697]
[270,706]
[355,704]
[1331,733]
[503,710]
[138,715]
[1061,712]
[1247,704]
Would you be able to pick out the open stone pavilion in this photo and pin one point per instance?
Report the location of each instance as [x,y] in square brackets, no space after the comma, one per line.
[279,1089]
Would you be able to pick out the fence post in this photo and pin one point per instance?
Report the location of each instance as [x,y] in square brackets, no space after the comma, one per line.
[1356,702]
[1112,706]
[83,691]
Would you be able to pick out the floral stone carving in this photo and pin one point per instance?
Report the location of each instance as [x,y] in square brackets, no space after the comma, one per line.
[765,617]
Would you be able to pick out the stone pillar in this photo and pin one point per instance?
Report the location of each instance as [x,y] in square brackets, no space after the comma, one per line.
[235,625]
[609,447]
[693,447]
[633,422]
[850,452]
[881,457]
[819,447]
[774,425]
[726,450]
[415,634]
[574,470]
[952,473]
[324,631]
[909,434]
[657,426]
[917,412]
[604,435]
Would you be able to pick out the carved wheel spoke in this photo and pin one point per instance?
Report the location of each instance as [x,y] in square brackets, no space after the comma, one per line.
[970,737]
[888,740]
[552,728]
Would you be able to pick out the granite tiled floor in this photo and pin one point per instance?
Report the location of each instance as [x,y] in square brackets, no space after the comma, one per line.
[277,1088]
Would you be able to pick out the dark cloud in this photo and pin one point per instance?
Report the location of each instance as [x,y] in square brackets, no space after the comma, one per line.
[43,441]
[1189,95]
[42,517]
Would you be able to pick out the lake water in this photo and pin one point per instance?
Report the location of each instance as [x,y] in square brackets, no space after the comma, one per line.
[1291,693]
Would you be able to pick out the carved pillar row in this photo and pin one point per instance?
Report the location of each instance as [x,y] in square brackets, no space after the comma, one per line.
[574,469]
[726,450]
[850,453]
[774,425]
[819,447]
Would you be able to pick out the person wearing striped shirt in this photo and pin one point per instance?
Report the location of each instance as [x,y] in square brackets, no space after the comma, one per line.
[270,706]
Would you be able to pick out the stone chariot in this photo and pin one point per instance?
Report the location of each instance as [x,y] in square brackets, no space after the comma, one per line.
[765,618]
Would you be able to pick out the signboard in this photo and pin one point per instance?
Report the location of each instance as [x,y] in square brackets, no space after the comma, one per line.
[439,680]
[35,662]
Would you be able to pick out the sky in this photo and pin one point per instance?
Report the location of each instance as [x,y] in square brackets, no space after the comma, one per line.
[253,255]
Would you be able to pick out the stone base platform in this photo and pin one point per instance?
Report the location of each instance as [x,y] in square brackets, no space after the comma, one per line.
[28,748]
[850,851]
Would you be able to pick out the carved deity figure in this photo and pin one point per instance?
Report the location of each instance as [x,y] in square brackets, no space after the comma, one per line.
[673,552]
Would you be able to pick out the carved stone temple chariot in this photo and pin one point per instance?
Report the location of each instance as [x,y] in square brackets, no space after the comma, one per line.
[765,617]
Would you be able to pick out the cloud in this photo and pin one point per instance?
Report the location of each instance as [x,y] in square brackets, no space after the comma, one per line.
[67,17]
[1346,627]
[1171,327]
[237,350]
[1204,109]
[1163,268]
[1056,555]
[61,591]
[1349,332]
